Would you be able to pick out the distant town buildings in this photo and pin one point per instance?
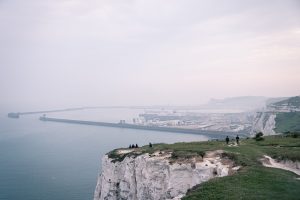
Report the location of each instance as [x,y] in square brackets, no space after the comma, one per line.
[122,121]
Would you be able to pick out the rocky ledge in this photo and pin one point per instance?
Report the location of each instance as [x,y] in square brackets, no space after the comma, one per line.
[289,165]
[158,175]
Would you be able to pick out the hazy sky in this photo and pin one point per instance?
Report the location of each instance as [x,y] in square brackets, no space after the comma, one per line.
[64,53]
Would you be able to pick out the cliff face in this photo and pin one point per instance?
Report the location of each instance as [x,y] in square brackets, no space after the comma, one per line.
[265,123]
[155,177]
[265,120]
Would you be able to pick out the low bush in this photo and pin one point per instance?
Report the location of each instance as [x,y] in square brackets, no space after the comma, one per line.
[259,136]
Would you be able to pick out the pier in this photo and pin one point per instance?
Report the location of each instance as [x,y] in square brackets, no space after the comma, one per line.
[212,134]
[18,114]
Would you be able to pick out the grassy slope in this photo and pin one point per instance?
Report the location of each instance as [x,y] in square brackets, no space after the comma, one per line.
[253,181]
[287,122]
[293,101]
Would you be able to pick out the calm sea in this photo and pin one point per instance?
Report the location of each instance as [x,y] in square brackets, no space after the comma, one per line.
[56,161]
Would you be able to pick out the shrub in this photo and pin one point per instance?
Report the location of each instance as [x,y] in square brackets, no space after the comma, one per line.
[259,136]
[201,153]
[293,135]
[174,155]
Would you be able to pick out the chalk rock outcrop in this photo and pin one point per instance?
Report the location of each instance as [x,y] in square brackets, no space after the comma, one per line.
[293,166]
[264,122]
[157,176]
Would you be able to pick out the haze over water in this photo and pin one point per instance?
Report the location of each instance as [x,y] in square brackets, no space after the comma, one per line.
[45,160]
[76,53]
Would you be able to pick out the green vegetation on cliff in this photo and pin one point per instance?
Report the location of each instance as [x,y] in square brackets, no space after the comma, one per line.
[255,181]
[287,121]
[252,181]
[293,101]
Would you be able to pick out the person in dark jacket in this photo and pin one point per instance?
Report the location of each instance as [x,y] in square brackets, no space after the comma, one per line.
[227,140]
[237,139]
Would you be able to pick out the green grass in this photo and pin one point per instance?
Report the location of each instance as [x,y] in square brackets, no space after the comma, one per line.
[293,101]
[287,122]
[253,181]
[179,150]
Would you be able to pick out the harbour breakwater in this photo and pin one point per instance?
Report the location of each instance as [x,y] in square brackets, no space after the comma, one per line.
[211,134]
[18,114]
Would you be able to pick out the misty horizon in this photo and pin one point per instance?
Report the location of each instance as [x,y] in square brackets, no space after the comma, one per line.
[230,105]
[63,54]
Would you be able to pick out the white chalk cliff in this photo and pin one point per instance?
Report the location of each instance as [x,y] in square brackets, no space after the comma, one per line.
[157,176]
[264,122]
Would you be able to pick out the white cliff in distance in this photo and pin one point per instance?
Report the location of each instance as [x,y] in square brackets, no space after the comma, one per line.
[264,122]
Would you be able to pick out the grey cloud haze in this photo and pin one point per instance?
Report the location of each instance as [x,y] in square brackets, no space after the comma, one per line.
[67,53]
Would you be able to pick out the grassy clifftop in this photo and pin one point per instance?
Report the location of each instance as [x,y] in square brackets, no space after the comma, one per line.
[253,181]
[293,101]
[289,121]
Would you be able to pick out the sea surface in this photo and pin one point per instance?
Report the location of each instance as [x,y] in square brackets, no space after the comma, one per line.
[56,161]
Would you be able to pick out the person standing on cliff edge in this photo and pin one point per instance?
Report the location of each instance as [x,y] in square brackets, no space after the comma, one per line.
[227,140]
[237,139]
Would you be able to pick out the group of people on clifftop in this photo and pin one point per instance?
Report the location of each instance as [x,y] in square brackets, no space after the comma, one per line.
[137,146]
[131,146]
[237,139]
